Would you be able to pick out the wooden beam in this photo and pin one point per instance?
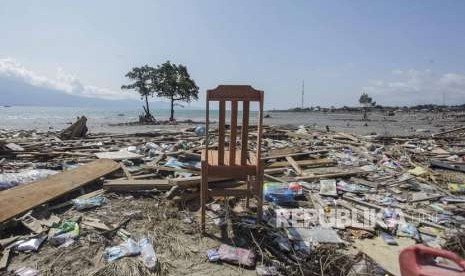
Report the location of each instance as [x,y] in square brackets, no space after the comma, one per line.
[16,201]
[294,165]
[294,154]
[134,185]
[126,171]
[304,163]
[330,175]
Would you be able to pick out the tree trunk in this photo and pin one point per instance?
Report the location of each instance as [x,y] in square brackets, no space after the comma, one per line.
[147,110]
[172,109]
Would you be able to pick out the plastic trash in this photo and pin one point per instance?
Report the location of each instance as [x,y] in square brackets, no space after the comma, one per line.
[175,163]
[456,188]
[266,270]
[31,244]
[236,255]
[132,149]
[278,193]
[351,188]
[127,248]
[149,258]
[200,131]
[26,271]
[296,188]
[328,187]
[9,180]
[69,166]
[409,230]
[213,255]
[81,204]
[61,233]
[388,238]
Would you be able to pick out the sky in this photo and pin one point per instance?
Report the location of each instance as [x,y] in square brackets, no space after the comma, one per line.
[399,52]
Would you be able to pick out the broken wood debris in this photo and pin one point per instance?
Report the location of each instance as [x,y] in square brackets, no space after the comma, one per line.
[374,173]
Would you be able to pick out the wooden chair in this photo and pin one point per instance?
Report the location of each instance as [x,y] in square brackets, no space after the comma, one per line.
[233,163]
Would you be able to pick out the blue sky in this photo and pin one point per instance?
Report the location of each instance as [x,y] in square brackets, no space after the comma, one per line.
[400,52]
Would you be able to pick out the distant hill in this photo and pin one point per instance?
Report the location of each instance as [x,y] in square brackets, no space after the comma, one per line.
[19,93]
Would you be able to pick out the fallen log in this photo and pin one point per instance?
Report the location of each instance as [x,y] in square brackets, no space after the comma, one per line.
[77,130]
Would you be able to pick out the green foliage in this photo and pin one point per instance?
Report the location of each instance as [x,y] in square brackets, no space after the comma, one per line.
[167,80]
[143,78]
[174,82]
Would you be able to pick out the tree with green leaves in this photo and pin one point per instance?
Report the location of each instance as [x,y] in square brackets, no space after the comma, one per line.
[174,82]
[143,82]
[366,102]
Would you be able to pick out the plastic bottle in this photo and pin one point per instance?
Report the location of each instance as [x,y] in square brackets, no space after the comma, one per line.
[149,258]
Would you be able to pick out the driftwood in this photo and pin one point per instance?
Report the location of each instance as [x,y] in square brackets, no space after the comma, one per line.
[77,130]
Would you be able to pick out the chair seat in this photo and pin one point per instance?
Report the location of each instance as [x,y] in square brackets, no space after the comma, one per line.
[213,158]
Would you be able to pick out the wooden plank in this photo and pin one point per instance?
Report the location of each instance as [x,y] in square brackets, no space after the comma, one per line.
[348,136]
[16,201]
[4,259]
[294,165]
[330,175]
[118,155]
[221,122]
[304,163]
[244,132]
[126,171]
[449,131]
[294,154]
[232,137]
[273,178]
[140,184]
[194,181]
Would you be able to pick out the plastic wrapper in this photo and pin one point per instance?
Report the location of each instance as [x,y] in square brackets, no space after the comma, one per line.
[31,244]
[63,232]
[9,180]
[26,271]
[81,204]
[213,255]
[409,230]
[278,193]
[127,248]
[147,254]
[236,255]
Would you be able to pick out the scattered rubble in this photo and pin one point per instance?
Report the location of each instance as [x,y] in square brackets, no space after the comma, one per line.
[128,204]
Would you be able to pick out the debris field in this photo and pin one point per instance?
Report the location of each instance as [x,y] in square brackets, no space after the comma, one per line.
[73,203]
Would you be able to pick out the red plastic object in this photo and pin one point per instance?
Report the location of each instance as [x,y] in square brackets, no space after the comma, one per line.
[418,260]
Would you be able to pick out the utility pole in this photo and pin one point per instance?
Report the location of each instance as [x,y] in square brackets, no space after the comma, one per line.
[303,92]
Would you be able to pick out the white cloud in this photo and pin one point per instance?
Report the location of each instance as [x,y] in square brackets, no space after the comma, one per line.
[66,83]
[410,87]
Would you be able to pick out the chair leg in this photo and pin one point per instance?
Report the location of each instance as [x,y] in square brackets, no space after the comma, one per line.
[259,192]
[203,195]
[247,199]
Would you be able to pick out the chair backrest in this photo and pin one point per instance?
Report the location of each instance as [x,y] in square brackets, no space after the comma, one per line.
[234,94]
